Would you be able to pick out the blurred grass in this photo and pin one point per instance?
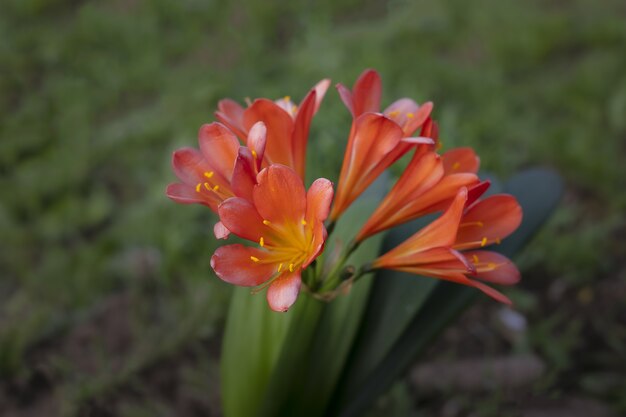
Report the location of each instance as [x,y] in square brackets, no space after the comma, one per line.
[94,96]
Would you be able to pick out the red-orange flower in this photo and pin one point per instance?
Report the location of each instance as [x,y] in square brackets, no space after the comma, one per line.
[427,185]
[286,222]
[287,124]
[376,140]
[434,251]
[484,223]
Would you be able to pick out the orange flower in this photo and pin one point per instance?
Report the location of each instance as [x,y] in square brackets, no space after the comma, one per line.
[220,170]
[286,222]
[376,140]
[287,124]
[428,184]
[484,223]
[434,250]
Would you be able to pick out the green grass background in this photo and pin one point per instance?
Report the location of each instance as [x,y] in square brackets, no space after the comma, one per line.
[94,97]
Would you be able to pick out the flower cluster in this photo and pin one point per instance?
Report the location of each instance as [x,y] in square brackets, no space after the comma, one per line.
[250,170]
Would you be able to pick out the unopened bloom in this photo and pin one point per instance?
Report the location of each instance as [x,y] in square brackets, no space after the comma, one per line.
[287,124]
[428,184]
[286,222]
[434,251]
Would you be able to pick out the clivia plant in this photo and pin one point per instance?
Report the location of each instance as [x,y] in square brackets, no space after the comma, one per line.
[344,312]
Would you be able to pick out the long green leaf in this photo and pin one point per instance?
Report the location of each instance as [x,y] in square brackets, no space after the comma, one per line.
[538,191]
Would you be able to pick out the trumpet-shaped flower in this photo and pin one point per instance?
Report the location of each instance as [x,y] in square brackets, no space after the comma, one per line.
[286,222]
[434,251]
[287,124]
[428,184]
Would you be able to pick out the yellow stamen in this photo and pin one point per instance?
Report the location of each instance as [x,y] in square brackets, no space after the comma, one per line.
[254,154]
[483,242]
[208,174]
[475,258]
[456,166]
[261,242]
[290,267]
[207,186]
[280,266]
[394,113]
[467,224]
[303,222]
[409,115]
[254,258]
[198,187]
[287,98]
[217,187]
[266,222]
[491,265]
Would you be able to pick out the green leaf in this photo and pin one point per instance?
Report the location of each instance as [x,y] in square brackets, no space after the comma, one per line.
[538,191]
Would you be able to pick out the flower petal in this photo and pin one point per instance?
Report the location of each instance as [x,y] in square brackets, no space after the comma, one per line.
[189,166]
[220,231]
[320,91]
[235,264]
[366,93]
[230,113]
[279,124]
[241,217]
[256,141]
[279,195]
[244,174]
[283,292]
[318,200]
[488,221]
[186,194]
[301,128]
[493,267]
[461,160]
[219,146]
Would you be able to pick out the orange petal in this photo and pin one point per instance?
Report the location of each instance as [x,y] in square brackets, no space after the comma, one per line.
[493,267]
[240,217]
[279,124]
[317,244]
[279,195]
[439,197]
[235,265]
[186,194]
[461,160]
[488,221]
[320,91]
[189,166]
[318,200]
[283,292]
[366,93]
[219,147]
[256,141]
[230,113]
[300,137]
[244,174]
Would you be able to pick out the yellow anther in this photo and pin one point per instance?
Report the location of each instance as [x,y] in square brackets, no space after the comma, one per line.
[207,186]
[491,265]
[456,165]
[208,174]
[280,266]
[266,222]
[261,242]
[287,98]
[475,258]
[498,241]
[254,258]
[254,154]
[409,115]
[198,187]
[290,267]
[394,113]
[483,242]
[217,187]
[303,222]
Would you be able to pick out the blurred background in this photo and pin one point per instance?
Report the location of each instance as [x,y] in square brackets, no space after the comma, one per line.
[108,306]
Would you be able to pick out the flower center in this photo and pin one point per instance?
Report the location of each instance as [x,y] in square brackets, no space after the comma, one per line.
[287,245]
